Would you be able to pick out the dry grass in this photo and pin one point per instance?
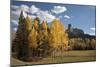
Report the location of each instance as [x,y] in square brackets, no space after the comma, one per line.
[68,56]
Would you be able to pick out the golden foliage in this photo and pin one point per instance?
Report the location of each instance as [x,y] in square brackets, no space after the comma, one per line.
[28,23]
[32,38]
[44,31]
[39,37]
[44,25]
[57,37]
[36,24]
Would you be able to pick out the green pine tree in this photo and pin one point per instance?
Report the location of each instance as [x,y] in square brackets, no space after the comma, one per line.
[21,39]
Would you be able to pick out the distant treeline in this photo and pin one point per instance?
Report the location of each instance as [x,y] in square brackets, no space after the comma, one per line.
[78,40]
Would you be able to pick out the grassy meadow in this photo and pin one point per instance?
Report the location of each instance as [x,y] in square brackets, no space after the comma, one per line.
[68,56]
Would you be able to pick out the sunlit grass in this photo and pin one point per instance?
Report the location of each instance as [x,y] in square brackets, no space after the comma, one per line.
[68,56]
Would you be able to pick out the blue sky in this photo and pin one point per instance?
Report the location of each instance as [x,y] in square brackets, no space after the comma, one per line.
[80,16]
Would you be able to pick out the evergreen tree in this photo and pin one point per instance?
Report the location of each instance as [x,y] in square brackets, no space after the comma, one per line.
[22,37]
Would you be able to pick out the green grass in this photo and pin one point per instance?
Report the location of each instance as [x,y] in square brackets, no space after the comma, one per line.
[68,56]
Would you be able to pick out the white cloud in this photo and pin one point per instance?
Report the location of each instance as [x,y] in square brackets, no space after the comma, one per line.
[32,16]
[17,12]
[15,15]
[90,33]
[33,9]
[93,33]
[93,28]
[14,7]
[45,15]
[24,8]
[15,22]
[58,9]
[15,28]
[66,16]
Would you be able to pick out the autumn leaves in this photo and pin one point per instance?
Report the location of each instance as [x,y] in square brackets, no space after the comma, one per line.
[33,37]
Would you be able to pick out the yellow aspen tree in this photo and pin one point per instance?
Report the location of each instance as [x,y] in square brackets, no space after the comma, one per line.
[57,38]
[43,40]
[28,23]
[36,23]
[32,38]
[44,28]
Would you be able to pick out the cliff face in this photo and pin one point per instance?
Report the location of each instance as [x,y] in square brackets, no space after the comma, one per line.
[77,33]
